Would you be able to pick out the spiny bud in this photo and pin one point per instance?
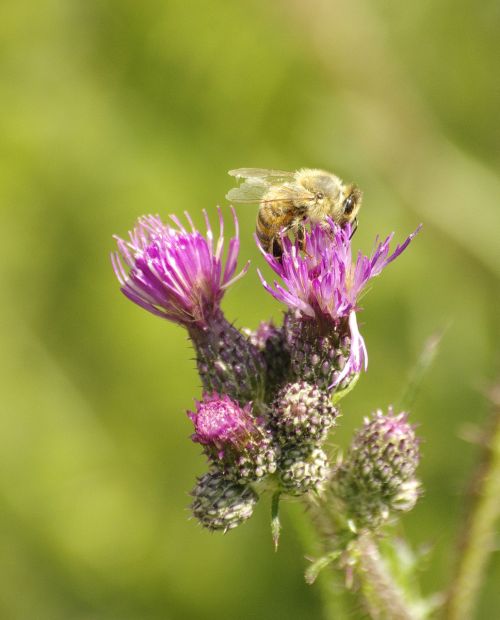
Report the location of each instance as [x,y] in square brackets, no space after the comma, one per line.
[237,443]
[377,475]
[320,352]
[220,504]
[227,362]
[302,470]
[302,414]
[271,342]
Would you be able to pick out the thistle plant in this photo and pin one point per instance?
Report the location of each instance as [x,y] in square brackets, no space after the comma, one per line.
[270,402]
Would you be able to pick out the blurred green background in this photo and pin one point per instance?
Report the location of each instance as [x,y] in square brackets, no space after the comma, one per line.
[112,109]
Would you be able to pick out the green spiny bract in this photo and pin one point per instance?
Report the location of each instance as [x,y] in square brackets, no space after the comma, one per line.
[302,470]
[220,504]
[227,361]
[319,353]
[377,476]
[271,342]
[302,414]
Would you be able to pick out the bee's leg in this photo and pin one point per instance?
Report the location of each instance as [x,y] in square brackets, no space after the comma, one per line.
[301,236]
[277,248]
[354,227]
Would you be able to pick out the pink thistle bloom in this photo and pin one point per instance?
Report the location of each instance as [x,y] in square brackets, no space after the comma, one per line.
[233,438]
[176,272]
[323,283]
[221,422]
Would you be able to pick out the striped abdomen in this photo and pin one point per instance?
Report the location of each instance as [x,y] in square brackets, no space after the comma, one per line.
[273,218]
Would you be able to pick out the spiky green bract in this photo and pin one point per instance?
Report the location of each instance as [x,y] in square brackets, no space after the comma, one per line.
[302,469]
[377,476]
[302,415]
[228,363]
[270,340]
[319,353]
[236,442]
[220,504]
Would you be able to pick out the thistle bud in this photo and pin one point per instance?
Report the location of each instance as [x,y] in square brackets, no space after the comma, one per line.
[320,354]
[271,342]
[302,470]
[227,362]
[236,443]
[220,504]
[302,415]
[377,475]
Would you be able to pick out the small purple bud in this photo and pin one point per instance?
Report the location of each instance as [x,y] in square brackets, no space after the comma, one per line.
[377,476]
[235,442]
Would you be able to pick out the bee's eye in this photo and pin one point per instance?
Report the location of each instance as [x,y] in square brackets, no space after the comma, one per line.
[320,195]
[349,204]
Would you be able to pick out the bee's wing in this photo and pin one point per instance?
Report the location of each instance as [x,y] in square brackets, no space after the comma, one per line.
[259,180]
[274,176]
[250,190]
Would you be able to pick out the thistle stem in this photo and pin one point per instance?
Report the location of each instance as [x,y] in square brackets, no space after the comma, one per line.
[479,528]
[382,595]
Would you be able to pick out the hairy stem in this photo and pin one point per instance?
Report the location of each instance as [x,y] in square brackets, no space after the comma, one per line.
[479,529]
[382,595]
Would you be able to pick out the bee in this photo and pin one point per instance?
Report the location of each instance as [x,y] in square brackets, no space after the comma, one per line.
[287,199]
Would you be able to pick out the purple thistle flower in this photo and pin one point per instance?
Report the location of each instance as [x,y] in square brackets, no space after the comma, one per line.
[219,421]
[323,283]
[174,272]
[235,441]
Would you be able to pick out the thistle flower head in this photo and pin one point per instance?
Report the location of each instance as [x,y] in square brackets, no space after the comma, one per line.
[324,283]
[378,474]
[302,415]
[303,469]
[220,421]
[176,272]
[221,504]
[235,441]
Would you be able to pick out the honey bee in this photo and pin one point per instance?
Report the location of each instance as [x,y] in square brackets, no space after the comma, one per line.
[287,199]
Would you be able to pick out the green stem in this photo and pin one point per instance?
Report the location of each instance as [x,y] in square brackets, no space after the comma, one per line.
[275,519]
[479,528]
[382,595]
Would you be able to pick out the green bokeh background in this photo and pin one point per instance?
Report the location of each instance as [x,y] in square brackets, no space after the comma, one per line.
[112,109]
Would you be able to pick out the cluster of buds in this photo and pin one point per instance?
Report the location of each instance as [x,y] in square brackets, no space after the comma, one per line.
[270,397]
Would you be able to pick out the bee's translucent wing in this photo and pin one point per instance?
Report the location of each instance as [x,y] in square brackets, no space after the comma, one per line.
[259,180]
[274,176]
[253,190]
[250,190]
